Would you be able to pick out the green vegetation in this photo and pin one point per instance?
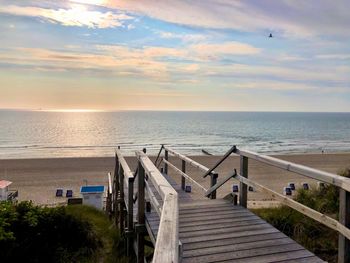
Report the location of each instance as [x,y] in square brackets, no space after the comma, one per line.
[30,233]
[314,236]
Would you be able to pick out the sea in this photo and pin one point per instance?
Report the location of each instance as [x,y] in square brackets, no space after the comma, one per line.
[44,134]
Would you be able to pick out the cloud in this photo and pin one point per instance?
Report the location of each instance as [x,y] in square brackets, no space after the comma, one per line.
[334,56]
[186,38]
[77,15]
[288,17]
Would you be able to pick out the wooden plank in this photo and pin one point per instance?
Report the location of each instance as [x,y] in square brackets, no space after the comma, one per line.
[293,256]
[218,221]
[233,240]
[213,209]
[221,257]
[215,225]
[344,219]
[204,202]
[167,244]
[312,259]
[187,160]
[243,193]
[217,213]
[215,217]
[124,164]
[319,217]
[329,178]
[261,225]
[237,234]
[237,247]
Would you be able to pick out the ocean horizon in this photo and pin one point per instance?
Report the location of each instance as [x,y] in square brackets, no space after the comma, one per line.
[50,134]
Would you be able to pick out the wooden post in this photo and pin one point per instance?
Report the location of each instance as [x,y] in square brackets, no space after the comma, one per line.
[243,193]
[130,217]
[166,157]
[344,218]
[183,179]
[140,214]
[116,190]
[121,199]
[213,180]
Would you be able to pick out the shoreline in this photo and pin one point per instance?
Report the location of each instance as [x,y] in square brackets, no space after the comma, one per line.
[37,179]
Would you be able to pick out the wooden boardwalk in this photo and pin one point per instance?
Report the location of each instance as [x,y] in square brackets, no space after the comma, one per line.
[219,231]
[148,202]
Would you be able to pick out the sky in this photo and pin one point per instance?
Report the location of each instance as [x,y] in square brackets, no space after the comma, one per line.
[175,55]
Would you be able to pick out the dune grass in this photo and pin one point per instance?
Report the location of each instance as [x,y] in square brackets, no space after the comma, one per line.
[312,235]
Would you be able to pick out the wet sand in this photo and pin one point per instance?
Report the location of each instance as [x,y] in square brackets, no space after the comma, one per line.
[38,179]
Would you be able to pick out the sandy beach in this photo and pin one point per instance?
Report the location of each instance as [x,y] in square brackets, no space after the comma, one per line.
[38,179]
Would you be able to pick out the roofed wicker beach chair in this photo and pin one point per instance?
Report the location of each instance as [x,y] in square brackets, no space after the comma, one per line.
[59,192]
[69,193]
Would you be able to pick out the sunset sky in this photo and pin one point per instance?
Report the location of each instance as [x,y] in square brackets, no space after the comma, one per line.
[175,55]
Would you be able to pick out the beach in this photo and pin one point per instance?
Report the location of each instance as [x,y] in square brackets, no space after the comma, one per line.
[38,179]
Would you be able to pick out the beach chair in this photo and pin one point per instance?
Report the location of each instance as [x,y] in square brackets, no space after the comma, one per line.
[69,193]
[188,189]
[287,191]
[291,186]
[235,188]
[59,192]
[306,186]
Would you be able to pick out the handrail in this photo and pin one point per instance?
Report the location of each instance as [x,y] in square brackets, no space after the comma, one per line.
[127,172]
[188,160]
[184,175]
[167,243]
[323,219]
[110,189]
[326,177]
[227,154]
[220,183]
[160,151]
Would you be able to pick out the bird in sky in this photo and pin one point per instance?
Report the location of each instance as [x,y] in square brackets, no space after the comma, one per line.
[270,35]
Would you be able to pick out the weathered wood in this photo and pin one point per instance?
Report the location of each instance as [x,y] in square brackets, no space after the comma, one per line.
[213,181]
[140,213]
[130,216]
[187,160]
[166,157]
[121,196]
[290,248]
[153,199]
[183,178]
[319,217]
[344,218]
[326,177]
[207,232]
[167,244]
[219,184]
[233,240]
[243,194]
[184,175]
[124,164]
[237,247]
[227,154]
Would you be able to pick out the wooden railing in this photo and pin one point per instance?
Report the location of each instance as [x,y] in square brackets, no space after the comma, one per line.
[186,160]
[342,227]
[124,205]
[167,243]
